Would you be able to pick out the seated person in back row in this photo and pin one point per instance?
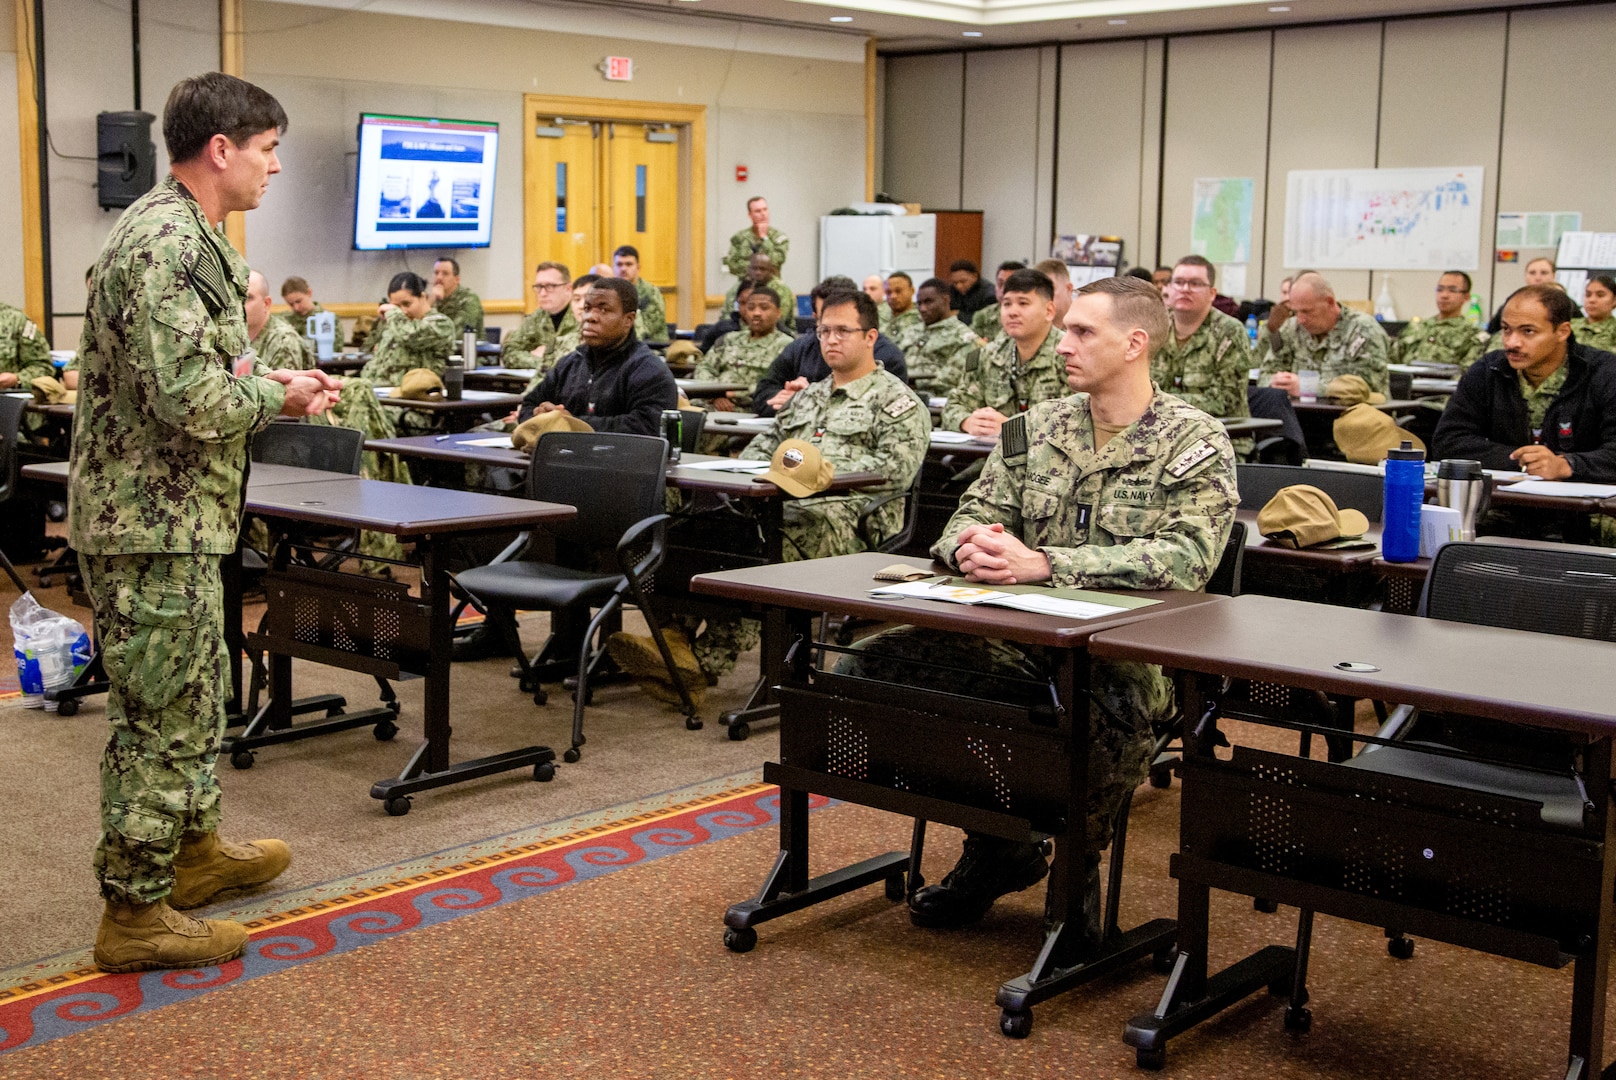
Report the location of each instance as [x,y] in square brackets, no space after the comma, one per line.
[1014,372]
[300,303]
[745,355]
[802,362]
[944,345]
[1545,404]
[533,344]
[274,340]
[1323,336]
[652,324]
[614,381]
[410,333]
[1450,337]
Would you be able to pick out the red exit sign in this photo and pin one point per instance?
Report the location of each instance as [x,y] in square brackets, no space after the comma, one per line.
[619,68]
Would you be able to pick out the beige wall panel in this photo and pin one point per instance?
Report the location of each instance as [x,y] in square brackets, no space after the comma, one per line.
[1326,88]
[1005,116]
[1440,95]
[921,143]
[1102,152]
[11,267]
[1217,126]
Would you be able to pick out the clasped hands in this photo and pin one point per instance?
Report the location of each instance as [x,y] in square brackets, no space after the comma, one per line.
[988,554]
[307,392]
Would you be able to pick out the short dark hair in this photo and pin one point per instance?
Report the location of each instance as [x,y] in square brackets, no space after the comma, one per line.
[583,280]
[560,268]
[214,103]
[900,273]
[624,290]
[753,199]
[1135,302]
[1141,273]
[294,284]
[409,281]
[933,283]
[1556,304]
[1011,265]
[868,317]
[1204,263]
[630,250]
[760,290]
[451,260]
[1606,280]
[834,283]
[964,264]
[1030,281]
[1457,273]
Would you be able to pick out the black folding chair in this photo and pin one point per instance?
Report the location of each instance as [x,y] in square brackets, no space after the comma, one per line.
[1347,489]
[310,446]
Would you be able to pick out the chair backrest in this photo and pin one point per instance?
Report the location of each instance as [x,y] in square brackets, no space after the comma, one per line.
[1401,384]
[1225,579]
[1270,403]
[613,480]
[1544,588]
[1354,490]
[491,333]
[11,409]
[695,422]
[310,446]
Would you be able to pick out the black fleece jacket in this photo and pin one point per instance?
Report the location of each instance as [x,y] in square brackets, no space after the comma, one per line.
[622,388]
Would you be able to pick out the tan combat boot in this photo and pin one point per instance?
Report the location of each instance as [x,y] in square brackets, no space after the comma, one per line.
[207,866]
[140,937]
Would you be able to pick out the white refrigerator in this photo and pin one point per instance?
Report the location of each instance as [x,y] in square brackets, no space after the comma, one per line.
[864,244]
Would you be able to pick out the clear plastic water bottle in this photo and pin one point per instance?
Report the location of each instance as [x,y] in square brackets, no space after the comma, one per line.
[1474,313]
[1403,494]
[1251,328]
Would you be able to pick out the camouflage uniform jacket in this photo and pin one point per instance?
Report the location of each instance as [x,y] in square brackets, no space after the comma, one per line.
[1210,370]
[746,243]
[1440,341]
[985,323]
[651,324]
[464,308]
[788,303]
[1152,509]
[298,323]
[279,346]
[23,350]
[740,357]
[874,424]
[940,355]
[905,328]
[1595,335]
[160,433]
[1355,345]
[999,380]
[539,331]
[407,343]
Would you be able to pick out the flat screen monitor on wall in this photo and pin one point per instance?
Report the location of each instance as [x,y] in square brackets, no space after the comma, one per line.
[424,182]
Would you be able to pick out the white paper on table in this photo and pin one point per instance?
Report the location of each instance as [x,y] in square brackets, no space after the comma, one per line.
[955,437]
[1055,605]
[954,594]
[936,402]
[502,442]
[1036,603]
[1566,488]
[727,465]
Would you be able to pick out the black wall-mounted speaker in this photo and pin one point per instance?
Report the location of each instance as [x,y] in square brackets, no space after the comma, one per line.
[126,157]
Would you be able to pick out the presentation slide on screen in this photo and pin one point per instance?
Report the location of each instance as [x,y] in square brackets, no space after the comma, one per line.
[424,183]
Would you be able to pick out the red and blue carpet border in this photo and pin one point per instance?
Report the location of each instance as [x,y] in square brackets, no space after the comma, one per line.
[34,1013]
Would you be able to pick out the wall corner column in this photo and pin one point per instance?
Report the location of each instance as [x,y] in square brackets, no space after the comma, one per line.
[33,242]
[869,119]
[232,61]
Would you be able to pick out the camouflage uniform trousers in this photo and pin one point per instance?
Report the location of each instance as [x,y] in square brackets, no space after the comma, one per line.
[1135,697]
[810,530]
[160,622]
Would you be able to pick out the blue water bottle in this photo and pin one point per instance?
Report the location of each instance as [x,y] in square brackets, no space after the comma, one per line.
[1251,328]
[1404,493]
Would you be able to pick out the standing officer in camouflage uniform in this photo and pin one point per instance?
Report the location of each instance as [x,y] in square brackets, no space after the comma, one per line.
[532,345]
[945,346]
[652,322]
[863,419]
[1017,371]
[459,304]
[1206,360]
[1450,338]
[1120,486]
[745,355]
[169,394]
[756,238]
[24,354]
[904,327]
[413,335]
[1325,337]
[274,340]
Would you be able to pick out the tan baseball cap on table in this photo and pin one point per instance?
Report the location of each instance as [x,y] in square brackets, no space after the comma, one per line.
[1353,390]
[682,350]
[798,468]
[1304,516]
[530,430]
[50,390]
[1364,434]
[418,384]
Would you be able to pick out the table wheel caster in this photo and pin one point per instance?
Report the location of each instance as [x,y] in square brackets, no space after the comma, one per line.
[1401,947]
[740,941]
[1150,1060]
[1299,1020]
[571,755]
[384,731]
[544,772]
[397,806]
[693,723]
[1267,907]
[67,707]
[1162,777]
[243,759]
[541,697]
[1015,1023]
[896,887]
[739,731]
[1162,961]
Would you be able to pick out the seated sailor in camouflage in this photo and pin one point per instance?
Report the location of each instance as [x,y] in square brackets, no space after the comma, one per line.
[985,323]
[169,395]
[1594,327]
[1119,486]
[413,335]
[24,353]
[1019,370]
[275,342]
[904,327]
[756,238]
[300,304]
[1325,337]
[939,355]
[1206,360]
[1450,338]
[454,301]
[762,271]
[532,345]
[862,419]
[651,324]
[745,355]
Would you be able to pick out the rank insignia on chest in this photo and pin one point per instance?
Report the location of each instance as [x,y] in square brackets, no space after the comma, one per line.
[1565,429]
[900,406]
[1013,438]
[1191,458]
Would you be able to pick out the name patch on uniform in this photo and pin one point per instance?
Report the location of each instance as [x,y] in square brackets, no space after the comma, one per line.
[29,330]
[1222,348]
[1191,458]
[1137,490]
[1355,345]
[1013,437]
[900,406]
